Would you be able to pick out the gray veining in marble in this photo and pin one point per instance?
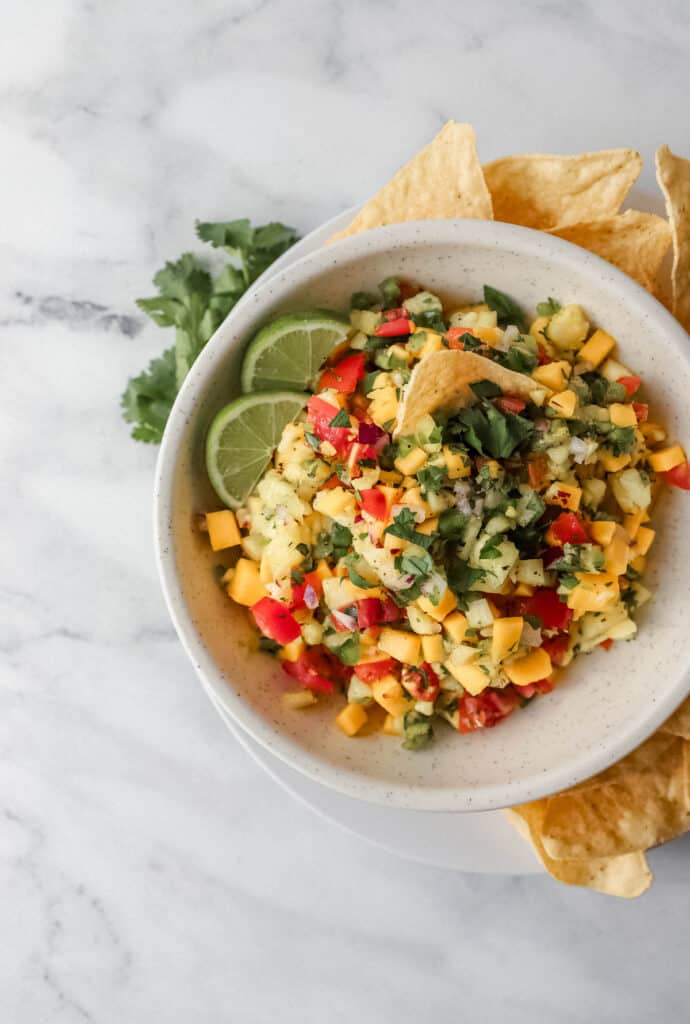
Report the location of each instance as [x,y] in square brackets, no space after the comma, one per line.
[149,870]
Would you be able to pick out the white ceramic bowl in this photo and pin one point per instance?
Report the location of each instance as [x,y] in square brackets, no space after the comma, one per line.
[607,703]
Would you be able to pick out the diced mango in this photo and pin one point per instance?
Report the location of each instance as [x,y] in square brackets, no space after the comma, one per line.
[566,495]
[336,503]
[594,592]
[489,335]
[506,637]
[439,611]
[432,648]
[523,590]
[413,461]
[638,562]
[393,726]
[323,569]
[564,403]
[616,553]
[223,531]
[595,351]
[389,693]
[469,675]
[340,591]
[433,343]
[633,521]
[428,527]
[644,540]
[613,463]
[414,497]
[553,375]
[351,719]
[294,650]
[530,669]
[538,326]
[667,458]
[493,468]
[622,415]
[383,407]
[455,626]
[602,531]
[458,464]
[405,647]
[652,433]
[390,477]
[246,587]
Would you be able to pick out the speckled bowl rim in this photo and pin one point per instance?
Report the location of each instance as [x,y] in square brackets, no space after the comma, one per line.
[583,764]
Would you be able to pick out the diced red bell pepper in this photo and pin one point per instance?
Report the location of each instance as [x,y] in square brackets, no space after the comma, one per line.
[394,328]
[542,355]
[313,669]
[345,375]
[641,411]
[485,710]
[607,644]
[631,384]
[421,682]
[333,481]
[320,414]
[355,455]
[679,476]
[454,334]
[370,671]
[311,579]
[275,620]
[543,686]
[375,502]
[509,404]
[568,528]
[547,606]
[372,611]
[556,647]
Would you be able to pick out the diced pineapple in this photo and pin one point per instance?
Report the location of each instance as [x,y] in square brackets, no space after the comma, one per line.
[652,433]
[339,592]
[594,592]
[530,571]
[458,464]
[439,611]
[613,463]
[351,719]
[298,699]
[337,503]
[412,462]
[602,531]
[612,370]
[633,521]
[404,647]
[469,675]
[599,346]
[432,647]
[433,343]
[631,490]
[565,495]
[414,498]
[293,651]
[616,552]
[393,726]
[420,622]
[622,415]
[246,587]
[365,320]
[531,668]
[391,478]
[553,375]
[568,327]
[455,626]
[384,405]
[506,637]
[564,403]
[644,540]
[523,590]
[223,531]
[312,632]
[667,458]
[389,693]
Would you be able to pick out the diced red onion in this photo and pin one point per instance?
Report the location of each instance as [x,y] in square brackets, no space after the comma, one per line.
[310,597]
[348,622]
[369,433]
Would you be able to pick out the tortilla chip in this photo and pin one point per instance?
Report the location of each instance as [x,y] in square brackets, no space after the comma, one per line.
[673,175]
[540,190]
[679,722]
[444,180]
[442,381]
[626,876]
[634,242]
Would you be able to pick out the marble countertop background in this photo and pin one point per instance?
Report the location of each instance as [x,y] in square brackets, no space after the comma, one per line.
[150,871]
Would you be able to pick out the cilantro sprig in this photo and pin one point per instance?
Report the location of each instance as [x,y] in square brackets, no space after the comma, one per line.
[195,302]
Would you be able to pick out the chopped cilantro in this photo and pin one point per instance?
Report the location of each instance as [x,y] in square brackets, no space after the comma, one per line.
[351,561]
[506,308]
[452,524]
[548,308]
[431,479]
[489,431]
[491,549]
[268,645]
[486,389]
[517,358]
[312,440]
[404,526]
[431,319]
[341,419]
[461,576]
[534,620]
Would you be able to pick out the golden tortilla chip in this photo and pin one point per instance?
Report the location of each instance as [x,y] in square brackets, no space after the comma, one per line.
[626,876]
[673,175]
[544,191]
[634,242]
[442,381]
[679,722]
[444,180]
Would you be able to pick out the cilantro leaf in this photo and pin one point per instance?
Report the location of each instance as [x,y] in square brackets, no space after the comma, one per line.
[362,300]
[341,419]
[148,398]
[347,651]
[431,479]
[461,576]
[403,526]
[253,248]
[486,389]
[491,548]
[359,581]
[548,308]
[517,358]
[506,308]
[452,524]
[489,431]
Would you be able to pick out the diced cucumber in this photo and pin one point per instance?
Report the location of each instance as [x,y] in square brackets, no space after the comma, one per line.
[631,490]
[423,302]
[359,692]
[364,320]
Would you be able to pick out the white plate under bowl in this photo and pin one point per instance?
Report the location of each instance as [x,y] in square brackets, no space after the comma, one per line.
[607,704]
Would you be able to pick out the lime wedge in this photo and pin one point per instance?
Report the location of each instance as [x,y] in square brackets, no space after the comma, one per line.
[289,352]
[242,438]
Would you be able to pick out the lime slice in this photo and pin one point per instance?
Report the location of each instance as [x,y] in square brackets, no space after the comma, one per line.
[289,352]
[242,438]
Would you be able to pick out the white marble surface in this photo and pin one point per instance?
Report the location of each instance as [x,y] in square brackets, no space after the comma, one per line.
[150,871]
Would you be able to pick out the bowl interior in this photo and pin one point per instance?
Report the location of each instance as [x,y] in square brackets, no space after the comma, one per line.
[607,703]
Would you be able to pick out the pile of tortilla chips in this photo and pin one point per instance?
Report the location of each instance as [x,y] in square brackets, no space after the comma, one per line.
[596,833]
